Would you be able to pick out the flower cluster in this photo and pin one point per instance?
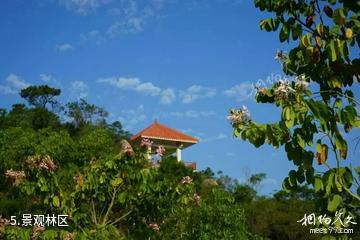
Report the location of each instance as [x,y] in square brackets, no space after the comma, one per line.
[160,151]
[36,231]
[282,90]
[3,222]
[69,236]
[79,179]
[48,164]
[196,197]
[126,148]
[154,226]
[145,142]
[186,180]
[301,82]
[41,162]
[16,176]
[239,116]
[93,161]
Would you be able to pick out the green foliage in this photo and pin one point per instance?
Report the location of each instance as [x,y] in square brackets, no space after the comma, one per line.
[216,217]
[36,118]
[82,170]
[83,113]
[325,37]
[273,218]
[95,143]
[40,96]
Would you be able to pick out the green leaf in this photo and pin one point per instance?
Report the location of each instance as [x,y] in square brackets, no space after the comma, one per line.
[286,186]
[306,41]
[318,146]
[288,116]
[56,201]
[269,24]
[296,31]
[331,51]
[318,184]
[339,16]
[300,175]
[328,181]
[341,145]
[284,34]
[338,103]
[309,176]
[348,177]
[293,178]
[334,202]
[335,82]
[300,141]
[116,182]
[308,160]
[122,197]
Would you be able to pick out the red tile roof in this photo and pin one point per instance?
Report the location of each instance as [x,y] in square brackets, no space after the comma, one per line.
[160,131]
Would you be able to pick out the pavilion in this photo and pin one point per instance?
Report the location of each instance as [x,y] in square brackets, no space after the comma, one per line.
[161,135]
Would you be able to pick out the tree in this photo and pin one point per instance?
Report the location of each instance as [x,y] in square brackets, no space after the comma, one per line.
[35,118]
[83,113]
[118,131]
[314,119]
[40,96]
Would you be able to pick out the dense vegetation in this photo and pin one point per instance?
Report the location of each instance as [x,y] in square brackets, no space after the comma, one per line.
[67,159]
[84,167]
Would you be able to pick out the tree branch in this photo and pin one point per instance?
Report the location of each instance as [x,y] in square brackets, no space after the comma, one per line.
[119,219]
[110,206]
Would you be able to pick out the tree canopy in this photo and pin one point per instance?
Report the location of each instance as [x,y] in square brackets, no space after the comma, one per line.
[40,96]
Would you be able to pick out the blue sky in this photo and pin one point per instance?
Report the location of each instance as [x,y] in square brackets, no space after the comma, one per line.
[183,62]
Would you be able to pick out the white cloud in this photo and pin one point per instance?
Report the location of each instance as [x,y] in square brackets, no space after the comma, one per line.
[121,82]
[130,16]
[7,90]
[130,118]
[79,89]
[269,181]
[14,84]
[130,25]
[47,78]
[64,47]
[16,81]
[189,114]
[187,130]
[167,96]
[241,92]
[83,7]
[148,88]
[196,92]
[218,137]
[93,35]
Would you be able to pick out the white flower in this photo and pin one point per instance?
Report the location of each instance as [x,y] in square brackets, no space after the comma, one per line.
[16,176]
[186,180]
[146,142]
[154,226]
[240,116]
[282,90]
[301,83]
[196,198]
